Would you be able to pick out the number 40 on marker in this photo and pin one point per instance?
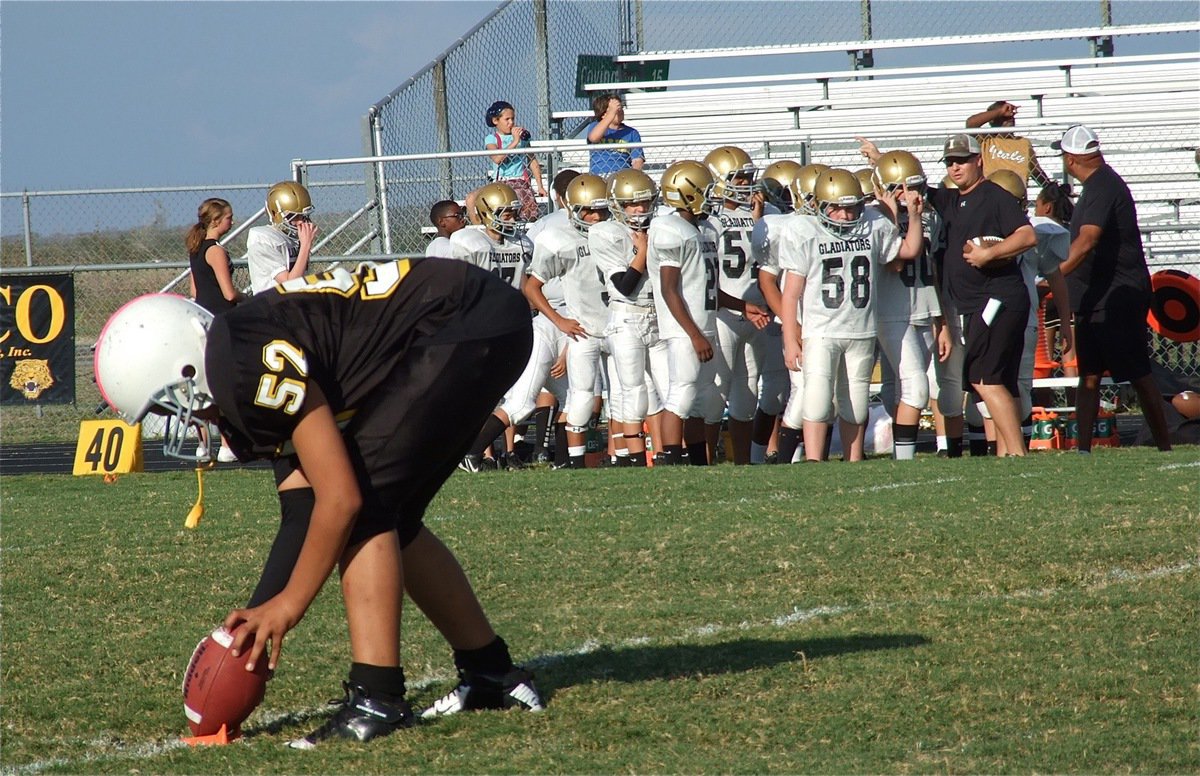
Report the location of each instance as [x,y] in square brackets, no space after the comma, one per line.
[108,447]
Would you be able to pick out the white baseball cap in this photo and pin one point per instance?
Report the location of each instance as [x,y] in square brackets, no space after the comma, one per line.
[1078,140]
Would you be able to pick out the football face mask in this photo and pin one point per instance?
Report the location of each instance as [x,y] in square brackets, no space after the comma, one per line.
[150,359]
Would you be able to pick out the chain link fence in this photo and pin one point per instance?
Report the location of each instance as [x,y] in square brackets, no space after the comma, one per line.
[421,140]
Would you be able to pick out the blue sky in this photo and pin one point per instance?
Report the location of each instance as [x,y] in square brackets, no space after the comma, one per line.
[115,94]
[127,94]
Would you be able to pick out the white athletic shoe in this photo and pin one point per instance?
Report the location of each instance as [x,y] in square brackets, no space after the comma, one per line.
[488,691]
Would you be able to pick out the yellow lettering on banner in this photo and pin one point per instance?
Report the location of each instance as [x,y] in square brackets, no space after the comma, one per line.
[58,314]
[108,447]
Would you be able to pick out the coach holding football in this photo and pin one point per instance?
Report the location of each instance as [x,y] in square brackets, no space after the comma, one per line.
[1110,287]
[986,230]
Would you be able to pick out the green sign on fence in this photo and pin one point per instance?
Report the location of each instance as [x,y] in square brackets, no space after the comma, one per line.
[601,69]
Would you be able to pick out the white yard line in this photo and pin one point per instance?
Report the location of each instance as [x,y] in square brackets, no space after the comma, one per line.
[110,749]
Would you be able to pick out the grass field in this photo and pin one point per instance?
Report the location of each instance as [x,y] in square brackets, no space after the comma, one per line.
[967,616]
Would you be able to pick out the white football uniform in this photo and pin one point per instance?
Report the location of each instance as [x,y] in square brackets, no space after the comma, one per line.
[268,252]
[740,357]
[507,259]
[562,252]
[676,243]
[639,356]
[520,400]
[907,306]
[840,271]
[559,217]
[439,247]
[780,389]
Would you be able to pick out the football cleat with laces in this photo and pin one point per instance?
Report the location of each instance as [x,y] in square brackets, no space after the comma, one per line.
[514,690]
[359,718]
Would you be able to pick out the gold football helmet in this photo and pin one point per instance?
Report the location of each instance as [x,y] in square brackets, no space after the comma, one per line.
[586,191]
[838,188]
[948,183]
[628,187]
[727,163]
[777,180]
[900,168]
[1012,183]
[866,182]
[685,185]
[493,202]
[802,187]
[288,200]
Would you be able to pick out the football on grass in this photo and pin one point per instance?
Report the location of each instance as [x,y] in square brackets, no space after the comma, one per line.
[217,688]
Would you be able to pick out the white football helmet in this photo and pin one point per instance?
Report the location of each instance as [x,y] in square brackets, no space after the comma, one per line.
[150,358]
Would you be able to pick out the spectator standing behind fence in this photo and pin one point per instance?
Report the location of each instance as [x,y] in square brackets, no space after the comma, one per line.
[211,279]
[609,129]
[1006,151]
[280,251]
[1110,286]
[211,271]
[519,171]
[447,216]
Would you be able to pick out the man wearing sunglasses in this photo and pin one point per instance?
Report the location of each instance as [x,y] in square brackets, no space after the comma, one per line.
[986,231]
[447,216]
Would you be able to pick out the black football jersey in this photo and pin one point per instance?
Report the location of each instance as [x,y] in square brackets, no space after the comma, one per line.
[346,331]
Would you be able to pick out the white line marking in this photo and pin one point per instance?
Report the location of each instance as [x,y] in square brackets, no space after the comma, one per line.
[1169,466]
[894,485]
[114,748]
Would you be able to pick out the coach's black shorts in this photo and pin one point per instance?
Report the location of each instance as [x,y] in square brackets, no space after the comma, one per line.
[993,352]
[1116,340]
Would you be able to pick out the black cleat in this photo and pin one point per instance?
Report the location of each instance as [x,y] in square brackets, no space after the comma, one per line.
[359,718]
[771,458]
[514,690]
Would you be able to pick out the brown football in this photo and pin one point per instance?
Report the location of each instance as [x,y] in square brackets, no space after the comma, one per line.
[217,688]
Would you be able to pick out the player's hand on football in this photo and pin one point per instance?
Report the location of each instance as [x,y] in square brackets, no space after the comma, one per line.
[977,256]
[704,349]
[260,626]
[758,315]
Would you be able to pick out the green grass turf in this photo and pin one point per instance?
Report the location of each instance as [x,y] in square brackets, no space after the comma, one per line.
[938,616]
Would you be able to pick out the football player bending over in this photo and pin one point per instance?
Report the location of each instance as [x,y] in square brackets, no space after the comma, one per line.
[342,379]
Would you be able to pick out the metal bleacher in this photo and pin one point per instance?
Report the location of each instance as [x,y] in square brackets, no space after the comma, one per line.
[1144,107]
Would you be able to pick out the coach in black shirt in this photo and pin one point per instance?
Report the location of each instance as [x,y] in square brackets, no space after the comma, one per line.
[1110,286]
[986,230]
